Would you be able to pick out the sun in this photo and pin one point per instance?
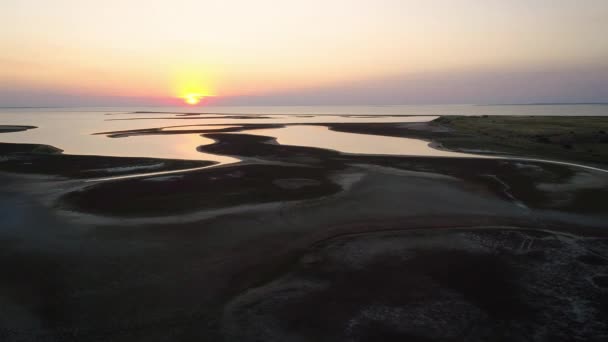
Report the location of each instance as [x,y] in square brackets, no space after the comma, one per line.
[193,99]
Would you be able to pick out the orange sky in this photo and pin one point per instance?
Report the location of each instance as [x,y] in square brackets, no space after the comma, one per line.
[167,49]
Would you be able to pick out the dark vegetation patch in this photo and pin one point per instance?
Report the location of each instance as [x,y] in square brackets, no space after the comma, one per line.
[591,259]
[14,128]
[263,147]
[601,281]
[439,286]
[581,139]
[478,277]
[44,159]
[12,149]
[391,282]
[589,200]
[198,190]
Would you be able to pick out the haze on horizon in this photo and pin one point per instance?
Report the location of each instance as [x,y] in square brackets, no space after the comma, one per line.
[315,52]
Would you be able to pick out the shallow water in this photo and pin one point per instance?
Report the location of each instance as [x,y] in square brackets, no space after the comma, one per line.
[73,129]
[75,134]
[322,137]
[194,127]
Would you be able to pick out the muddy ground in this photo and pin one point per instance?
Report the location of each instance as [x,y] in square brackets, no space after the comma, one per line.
[301,244]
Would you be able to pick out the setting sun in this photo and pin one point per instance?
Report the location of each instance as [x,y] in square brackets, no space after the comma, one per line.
[192,83]
[193,99]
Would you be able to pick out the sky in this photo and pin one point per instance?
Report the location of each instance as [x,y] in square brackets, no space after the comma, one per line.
[314,52]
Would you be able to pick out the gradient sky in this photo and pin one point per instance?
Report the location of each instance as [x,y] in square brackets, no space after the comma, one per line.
[147,52]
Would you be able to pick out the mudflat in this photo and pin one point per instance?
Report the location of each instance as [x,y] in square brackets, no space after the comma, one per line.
[14,128]
[297,243]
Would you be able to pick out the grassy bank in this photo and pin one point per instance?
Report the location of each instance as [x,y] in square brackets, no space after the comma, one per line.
[574,139]
[583,139]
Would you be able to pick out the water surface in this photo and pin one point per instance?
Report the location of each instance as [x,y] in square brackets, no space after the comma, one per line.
[322,137]
[77,133]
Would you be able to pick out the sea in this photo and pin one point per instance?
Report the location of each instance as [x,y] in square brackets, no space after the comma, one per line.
[582,109]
